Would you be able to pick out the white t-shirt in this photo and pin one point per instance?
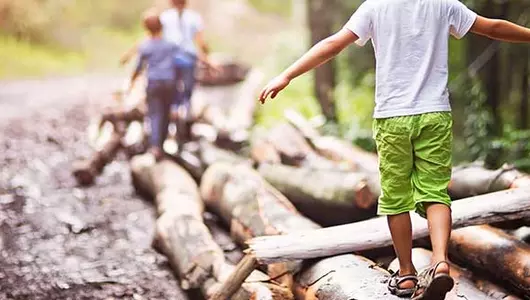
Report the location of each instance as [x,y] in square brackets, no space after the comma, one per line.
[411,40]
[181,29]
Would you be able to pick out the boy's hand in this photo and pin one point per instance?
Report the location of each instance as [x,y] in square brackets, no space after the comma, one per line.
[214,68]
[273,88]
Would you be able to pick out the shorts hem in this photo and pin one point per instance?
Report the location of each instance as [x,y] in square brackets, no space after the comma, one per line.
[393,212]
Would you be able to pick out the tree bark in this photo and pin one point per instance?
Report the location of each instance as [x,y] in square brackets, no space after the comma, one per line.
[120,114]
[320,17]
[184,238]
[334,148]
[286,142]
[467,285]
[472,180]
[135,141]
[493,252]
[231,73]
[372,234]
[327,197]
[523,108]
[196,157]
[253,208]
[342,277]
[221,236]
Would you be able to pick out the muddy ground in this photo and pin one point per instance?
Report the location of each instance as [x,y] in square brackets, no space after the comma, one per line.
[58,241]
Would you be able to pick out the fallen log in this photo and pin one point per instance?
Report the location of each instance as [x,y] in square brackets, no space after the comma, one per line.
[465,282]
[474,179]
[221,236]
[135,141]
[494,252]
[326,196]
[372,234]
[342,277]
[196,157]
[230,73]
[116,115]
[334,148]
[292,148]
[183,237]
[252,208]
[85,171]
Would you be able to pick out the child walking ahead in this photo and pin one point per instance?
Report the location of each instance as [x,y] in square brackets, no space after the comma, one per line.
[412,117]
[157,55]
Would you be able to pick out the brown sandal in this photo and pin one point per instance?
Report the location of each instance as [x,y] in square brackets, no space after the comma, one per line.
[396,280]
[435,286]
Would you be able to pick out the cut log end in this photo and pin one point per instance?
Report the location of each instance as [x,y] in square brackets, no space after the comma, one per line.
[364,198]
[83,172]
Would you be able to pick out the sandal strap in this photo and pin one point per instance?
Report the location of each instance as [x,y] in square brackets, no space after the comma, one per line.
[427,275]
[396,280]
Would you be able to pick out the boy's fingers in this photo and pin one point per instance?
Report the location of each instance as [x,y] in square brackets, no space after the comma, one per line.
[274,93]
[262,94]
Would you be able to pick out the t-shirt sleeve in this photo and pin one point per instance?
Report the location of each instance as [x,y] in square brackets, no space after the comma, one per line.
[360,23]
[461,18]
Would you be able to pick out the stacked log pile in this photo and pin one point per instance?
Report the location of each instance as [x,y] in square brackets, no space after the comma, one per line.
[277,191]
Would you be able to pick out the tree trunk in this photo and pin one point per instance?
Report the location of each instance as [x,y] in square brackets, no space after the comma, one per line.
[465,282]
[253,208]
[196,157]
[494,252]
[184,238]
[327,197]
[472,180]
[135,141]
[86,171]
[124,115]
[290,146]
[342,277]
[333,148]
[320,16]
[231,73]
[373,234]
[523,108]
[220,234]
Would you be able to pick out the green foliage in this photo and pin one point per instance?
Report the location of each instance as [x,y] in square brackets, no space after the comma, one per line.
[64,36]
[279,7]
[20,59]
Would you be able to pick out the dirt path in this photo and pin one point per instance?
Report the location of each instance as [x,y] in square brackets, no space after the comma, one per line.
[58,241]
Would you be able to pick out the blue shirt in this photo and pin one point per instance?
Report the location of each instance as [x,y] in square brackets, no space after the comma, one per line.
[158,56]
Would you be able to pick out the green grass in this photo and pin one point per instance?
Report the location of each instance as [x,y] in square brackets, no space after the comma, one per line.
[99,49]
[279,7]
[23,59]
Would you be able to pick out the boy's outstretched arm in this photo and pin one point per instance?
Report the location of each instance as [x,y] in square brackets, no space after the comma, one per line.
[501,30]
[316,56]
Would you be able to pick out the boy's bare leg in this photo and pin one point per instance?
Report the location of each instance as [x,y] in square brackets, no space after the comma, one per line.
[439,218]
[401,231]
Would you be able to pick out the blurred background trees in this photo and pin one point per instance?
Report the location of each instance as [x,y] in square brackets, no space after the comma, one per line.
[488,80]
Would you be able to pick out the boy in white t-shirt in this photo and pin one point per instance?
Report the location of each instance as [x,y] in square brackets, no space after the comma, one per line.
[412,117]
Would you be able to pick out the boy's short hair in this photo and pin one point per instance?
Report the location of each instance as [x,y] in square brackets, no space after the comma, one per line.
[151,21]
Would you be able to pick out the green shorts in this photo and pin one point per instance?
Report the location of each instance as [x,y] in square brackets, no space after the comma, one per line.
[414,161]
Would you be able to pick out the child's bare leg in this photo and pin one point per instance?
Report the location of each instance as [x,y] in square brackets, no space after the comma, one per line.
[439,218]
[401,231]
